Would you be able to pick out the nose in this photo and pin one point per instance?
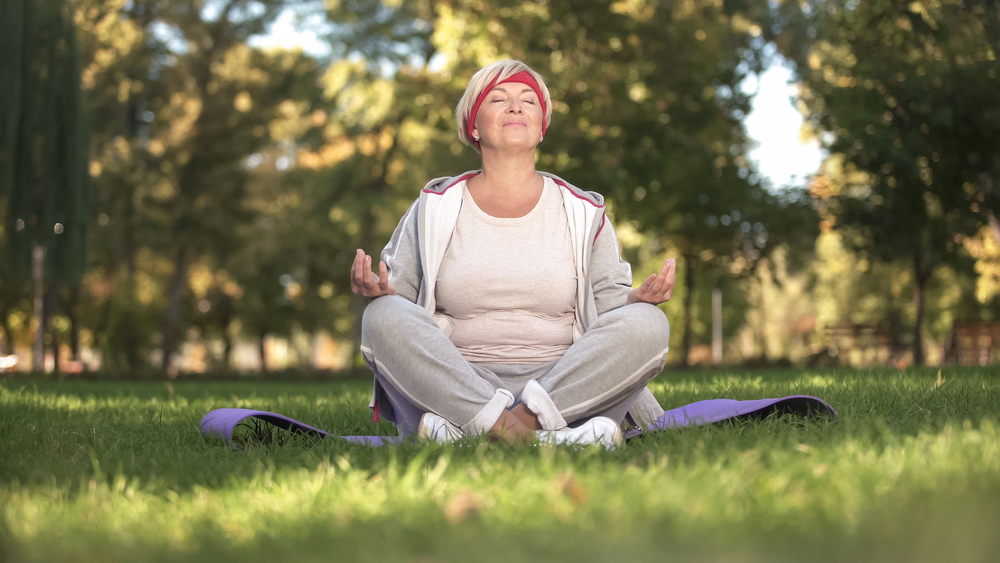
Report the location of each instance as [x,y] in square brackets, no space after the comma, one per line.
[515,106]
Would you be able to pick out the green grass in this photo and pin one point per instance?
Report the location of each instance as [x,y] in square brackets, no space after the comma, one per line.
[112,471]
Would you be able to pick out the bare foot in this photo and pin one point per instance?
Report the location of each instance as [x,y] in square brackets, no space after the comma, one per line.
[510,429]
[529,418]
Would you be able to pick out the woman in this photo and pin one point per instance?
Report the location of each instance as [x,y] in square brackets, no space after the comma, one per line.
[502,305]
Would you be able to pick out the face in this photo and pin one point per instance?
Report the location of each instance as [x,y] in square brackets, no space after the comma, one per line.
[510,117]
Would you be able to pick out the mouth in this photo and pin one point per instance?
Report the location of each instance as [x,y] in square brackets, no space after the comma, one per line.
[515,124]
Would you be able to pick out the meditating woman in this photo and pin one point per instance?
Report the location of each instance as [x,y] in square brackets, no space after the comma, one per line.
[502,305]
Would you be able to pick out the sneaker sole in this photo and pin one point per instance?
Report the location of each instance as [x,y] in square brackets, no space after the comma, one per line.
[423,431]
[618,439]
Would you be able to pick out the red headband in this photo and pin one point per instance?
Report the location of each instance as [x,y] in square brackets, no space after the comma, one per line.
[523,77]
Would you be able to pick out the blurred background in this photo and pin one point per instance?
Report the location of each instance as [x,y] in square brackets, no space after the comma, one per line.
[183,183]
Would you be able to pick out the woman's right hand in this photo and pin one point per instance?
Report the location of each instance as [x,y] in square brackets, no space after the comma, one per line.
[365,282]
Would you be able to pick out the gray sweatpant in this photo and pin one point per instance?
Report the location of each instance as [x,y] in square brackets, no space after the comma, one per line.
[418,370]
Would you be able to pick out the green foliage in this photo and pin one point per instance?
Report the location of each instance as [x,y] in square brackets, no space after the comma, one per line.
[197,101]
[120,472]
[902,95]
[905,93]
[228,186]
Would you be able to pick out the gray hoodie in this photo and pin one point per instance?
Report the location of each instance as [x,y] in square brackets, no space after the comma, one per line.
[414,254]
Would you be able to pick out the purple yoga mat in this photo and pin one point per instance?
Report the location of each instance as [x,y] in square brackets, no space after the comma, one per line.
[718,410]
[220,423]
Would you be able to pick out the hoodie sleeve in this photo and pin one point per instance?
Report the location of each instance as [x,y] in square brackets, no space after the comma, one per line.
[402,256]
[610,274]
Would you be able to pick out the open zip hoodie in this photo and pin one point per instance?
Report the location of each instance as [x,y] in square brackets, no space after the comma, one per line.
[414,254]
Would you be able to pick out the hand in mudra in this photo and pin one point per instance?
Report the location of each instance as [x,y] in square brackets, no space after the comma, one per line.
[657,288]
[364,282]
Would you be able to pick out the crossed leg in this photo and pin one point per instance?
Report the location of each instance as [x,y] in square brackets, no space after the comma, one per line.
[418,370]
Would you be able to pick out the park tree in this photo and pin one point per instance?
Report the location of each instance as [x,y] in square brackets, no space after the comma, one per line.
[124,90]
[43,146]
[281,267]
[193,102]
[383,128]
[904,95]
[227,92]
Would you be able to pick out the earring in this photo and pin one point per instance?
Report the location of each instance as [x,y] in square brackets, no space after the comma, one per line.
[475,137]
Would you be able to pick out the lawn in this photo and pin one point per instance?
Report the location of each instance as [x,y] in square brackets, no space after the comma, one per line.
[115,471]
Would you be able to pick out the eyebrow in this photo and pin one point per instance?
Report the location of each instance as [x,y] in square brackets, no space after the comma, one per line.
[524,91]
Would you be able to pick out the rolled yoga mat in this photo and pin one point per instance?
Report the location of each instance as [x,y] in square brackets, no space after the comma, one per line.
[221,423]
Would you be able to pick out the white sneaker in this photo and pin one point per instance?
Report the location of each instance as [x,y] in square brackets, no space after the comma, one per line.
[598,430]
[437,429]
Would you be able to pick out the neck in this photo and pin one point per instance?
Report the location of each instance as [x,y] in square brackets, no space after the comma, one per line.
[508,172]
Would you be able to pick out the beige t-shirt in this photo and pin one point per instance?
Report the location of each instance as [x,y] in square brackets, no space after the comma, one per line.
[508,285]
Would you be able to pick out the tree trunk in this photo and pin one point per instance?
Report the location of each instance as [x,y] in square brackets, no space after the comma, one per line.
[717,326]
[173,309]
[688,299]
[6,344]
[103,328]
[227,352]
[765,351]
[38,278]
[919,284]
[49,301]
[74,325]
[226,318]
[55,350]
[263,351]
[131,358]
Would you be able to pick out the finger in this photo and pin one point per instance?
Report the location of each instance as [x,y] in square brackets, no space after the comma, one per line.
[672,275]
[371,284]
[359,271]
[364,272]
[352,274]
[642,292]
[667,265]
[657,286]
[666,277]
[669,285]
[383,275]
[355,269]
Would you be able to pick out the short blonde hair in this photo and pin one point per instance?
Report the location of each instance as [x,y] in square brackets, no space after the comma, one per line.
[501,70]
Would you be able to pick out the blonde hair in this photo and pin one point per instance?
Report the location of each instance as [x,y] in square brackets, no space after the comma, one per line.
[501,70]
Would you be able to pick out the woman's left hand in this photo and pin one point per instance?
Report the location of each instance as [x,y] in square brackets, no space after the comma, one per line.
[657,288]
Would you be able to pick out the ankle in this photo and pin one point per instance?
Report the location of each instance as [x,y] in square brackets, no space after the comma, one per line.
[526,417]
[510,429]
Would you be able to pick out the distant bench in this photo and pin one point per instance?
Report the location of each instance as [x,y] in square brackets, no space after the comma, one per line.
[974,343]
[857,345]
